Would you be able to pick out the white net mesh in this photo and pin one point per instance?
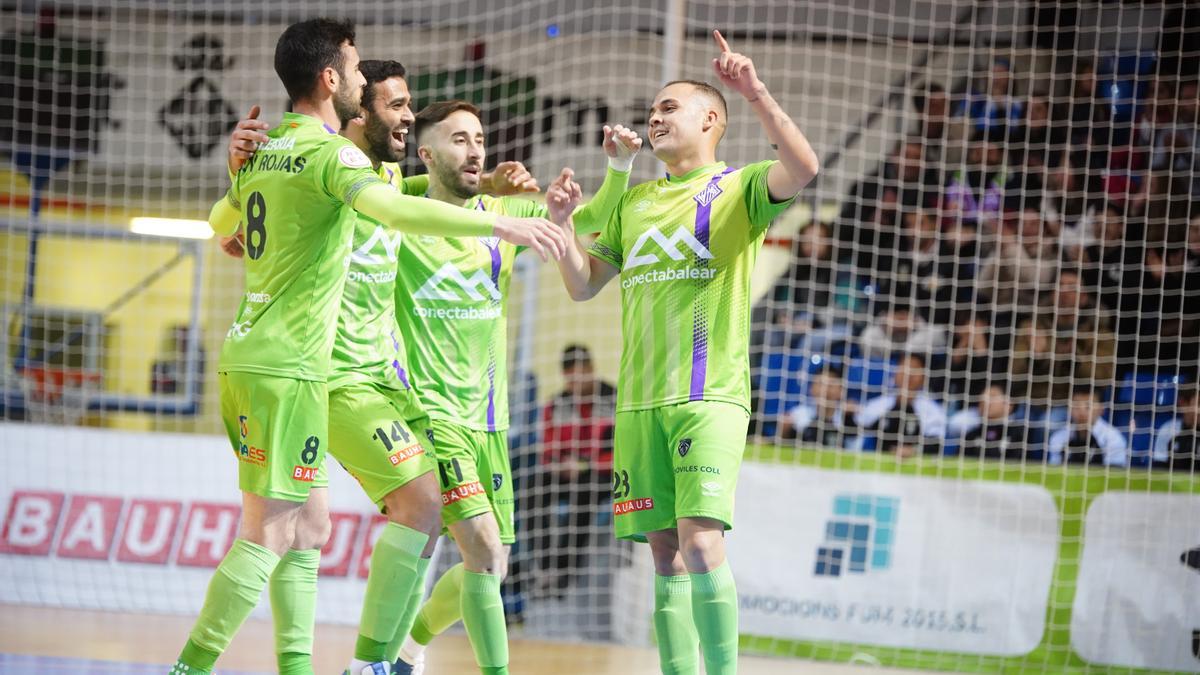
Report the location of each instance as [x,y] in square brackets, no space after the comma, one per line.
[1007,193]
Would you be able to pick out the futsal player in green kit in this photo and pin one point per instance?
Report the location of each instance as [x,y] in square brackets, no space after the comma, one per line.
[684,247]
[297,198]
[451,302]
[377,427]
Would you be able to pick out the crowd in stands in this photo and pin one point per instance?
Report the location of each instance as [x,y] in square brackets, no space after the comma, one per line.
[1019,280]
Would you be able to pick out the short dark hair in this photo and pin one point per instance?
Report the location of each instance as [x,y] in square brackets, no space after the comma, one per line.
[308,47]
[576,355]
[436,112]
[376,71]
[1188,392]
[920,99]
[831,368]
[916,356]
[708,90]
[1087,388]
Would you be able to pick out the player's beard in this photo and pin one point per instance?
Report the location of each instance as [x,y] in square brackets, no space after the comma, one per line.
[379,140]
[451,177]
[345,103]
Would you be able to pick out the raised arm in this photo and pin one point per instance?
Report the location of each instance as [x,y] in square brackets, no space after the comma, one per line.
[582,274]
[798,164]
[621,145]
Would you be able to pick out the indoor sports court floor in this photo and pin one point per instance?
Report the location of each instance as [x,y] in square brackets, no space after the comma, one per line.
[43,641]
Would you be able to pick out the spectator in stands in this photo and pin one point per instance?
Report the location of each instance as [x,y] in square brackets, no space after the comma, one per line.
[940,131]
[827,417]
[908,421]
[1177,146]
[898,329]
[970,364]
[1087,113]
[808,292]
[1087,438]
[1177,441]
[976,192]
[1115,253]
[577,437]
[1067,191]
[1160,311]
[993,103]
[1037,135]
[1026,260]
[992,429]
[1032,360]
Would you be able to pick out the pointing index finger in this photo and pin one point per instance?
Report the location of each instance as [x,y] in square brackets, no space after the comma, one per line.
[721,41]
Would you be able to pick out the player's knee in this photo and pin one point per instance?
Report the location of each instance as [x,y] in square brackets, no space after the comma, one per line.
[667,560]
[312,532]
[702,551]
[484,555]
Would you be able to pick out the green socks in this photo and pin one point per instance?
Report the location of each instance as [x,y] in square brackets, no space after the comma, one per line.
[293,591]
[232,594]
[715,611]
[394,573]
[443,608]
[674,628]
[483,616]
[410,614]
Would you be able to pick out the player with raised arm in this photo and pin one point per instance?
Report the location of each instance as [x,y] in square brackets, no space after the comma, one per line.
[452,307]
[684,247]
[297,197]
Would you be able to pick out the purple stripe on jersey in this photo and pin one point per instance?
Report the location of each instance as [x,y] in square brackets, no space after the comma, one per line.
[699,318]
[402,374]
[491,409]
[330,129]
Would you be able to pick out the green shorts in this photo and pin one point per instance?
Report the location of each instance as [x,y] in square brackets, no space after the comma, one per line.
[278,429]
[673,462]
[379,435]
[474,474]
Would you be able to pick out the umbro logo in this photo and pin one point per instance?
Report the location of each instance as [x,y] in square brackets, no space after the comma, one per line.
[448,283]
[669,245]
[710,489]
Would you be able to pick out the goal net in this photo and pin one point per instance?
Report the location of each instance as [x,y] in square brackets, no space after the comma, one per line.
[974,340]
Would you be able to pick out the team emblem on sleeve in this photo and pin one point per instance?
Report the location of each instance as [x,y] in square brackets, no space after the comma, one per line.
[352,157]
[684,446]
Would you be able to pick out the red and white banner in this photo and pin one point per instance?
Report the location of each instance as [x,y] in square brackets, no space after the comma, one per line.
[113,520]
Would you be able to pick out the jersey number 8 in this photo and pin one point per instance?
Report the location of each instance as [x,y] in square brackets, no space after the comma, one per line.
[256,225]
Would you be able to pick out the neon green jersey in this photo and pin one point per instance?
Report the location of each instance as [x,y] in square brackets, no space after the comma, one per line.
[368,346]
[294,197]
[452,306]
[686,247]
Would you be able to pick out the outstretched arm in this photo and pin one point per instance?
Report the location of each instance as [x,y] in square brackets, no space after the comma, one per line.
[798,164]
[428,216]
[583,275]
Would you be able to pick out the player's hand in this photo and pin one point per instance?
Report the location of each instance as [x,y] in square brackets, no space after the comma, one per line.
[735,71]
[563,197]
[246,137]
[509,178]
[621,144]
[234,246]
[539,234]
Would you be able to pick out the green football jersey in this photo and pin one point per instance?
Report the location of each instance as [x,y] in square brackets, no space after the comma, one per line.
[368,346]
[451,302]
[294,197]
[685,247]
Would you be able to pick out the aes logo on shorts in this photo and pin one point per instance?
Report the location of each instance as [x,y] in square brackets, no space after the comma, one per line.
[684,446]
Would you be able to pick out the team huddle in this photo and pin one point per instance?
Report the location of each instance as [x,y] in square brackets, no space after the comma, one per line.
[373,328]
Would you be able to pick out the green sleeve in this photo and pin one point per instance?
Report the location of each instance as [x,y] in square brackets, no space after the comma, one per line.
[343,170]
[225,215]
[592,216]
[607,246]
[418,215]
[758,198]
[416,186]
